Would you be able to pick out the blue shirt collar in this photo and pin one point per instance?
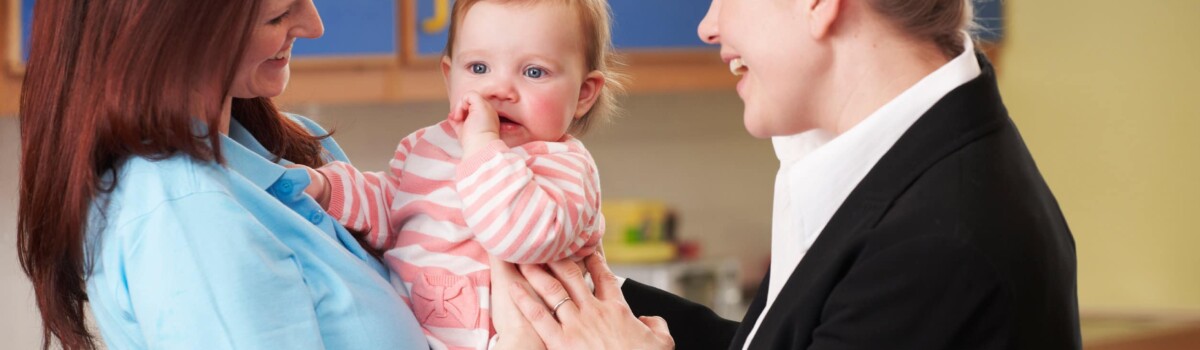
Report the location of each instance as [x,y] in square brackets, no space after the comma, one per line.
[246,156]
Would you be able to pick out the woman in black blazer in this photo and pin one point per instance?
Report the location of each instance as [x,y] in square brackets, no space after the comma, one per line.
[908,212]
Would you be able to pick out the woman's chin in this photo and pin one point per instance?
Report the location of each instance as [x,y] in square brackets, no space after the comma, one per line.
[265,90]
[271,84]
[755,127]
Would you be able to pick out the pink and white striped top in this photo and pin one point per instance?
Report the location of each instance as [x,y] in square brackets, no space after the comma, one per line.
[438,216]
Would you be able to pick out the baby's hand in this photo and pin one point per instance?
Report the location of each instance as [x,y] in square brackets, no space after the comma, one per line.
[476,123]
[318,186]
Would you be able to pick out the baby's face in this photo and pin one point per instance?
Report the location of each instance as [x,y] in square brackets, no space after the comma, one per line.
[527,60]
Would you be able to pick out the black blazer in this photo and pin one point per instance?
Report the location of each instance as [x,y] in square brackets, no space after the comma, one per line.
[952,241]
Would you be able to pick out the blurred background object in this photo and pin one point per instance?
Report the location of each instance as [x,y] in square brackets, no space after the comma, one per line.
[1102,90]
[638,231]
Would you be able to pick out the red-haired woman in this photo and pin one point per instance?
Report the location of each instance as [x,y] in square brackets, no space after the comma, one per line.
[154,185]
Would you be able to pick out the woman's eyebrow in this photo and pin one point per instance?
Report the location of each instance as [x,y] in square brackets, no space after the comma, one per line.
[289,5]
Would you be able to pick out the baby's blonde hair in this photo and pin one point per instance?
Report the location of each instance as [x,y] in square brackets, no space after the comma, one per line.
[595,20]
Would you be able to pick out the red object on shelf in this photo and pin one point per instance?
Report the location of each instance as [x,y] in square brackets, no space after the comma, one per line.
[688,250]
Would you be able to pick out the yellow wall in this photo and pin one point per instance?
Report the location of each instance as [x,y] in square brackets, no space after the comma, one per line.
[1107,95]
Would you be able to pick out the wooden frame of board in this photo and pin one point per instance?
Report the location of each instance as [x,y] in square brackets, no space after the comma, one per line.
[11,71]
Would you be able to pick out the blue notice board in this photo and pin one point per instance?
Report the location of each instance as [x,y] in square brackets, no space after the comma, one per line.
[637,24]
[657,24]
[989,14]
[26,26]
[352,28]
[432,26]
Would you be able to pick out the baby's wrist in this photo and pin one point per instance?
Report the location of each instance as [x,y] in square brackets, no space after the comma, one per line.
[474,142]
[319,187]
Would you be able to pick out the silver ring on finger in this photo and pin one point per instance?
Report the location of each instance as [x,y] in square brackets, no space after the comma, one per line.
[554,310]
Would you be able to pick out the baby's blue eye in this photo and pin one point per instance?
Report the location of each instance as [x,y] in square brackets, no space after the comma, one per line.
[479,68]
[534,72]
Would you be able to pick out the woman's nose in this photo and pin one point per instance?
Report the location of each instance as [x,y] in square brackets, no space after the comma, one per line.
[707,30]
[309,24]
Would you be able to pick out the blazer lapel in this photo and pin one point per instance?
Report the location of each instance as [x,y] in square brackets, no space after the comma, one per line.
[755,309]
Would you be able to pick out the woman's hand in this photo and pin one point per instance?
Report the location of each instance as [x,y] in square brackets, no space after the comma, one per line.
[513,331]
[584,321]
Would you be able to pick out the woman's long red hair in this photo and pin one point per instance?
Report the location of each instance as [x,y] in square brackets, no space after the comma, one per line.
[113,79]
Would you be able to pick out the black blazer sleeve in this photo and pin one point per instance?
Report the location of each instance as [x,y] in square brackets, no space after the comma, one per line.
[928,292]
[693,326]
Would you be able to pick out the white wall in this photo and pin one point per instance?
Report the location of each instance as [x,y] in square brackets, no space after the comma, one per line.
[19,323]
[1105,95]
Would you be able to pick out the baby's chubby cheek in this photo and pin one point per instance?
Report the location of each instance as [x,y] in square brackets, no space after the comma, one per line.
[544,108]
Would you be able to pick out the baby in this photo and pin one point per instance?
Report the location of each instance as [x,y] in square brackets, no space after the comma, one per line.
[503,175]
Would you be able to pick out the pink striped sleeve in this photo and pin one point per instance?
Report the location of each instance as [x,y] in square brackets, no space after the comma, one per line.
[360,200]
[535,204]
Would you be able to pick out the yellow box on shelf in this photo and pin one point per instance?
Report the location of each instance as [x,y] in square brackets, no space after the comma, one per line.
[638,231]
[641,253]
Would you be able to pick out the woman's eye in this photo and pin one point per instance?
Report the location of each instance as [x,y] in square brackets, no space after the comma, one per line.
[479,68]
[278,20]
[535,72]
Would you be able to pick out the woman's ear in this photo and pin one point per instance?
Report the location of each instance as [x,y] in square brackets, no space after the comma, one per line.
[821,16]
[589,92]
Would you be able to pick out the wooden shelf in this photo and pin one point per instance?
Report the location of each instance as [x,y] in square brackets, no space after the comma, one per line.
[10,77]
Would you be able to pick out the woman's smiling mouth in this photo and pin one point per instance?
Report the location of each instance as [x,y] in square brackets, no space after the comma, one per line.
[737,67]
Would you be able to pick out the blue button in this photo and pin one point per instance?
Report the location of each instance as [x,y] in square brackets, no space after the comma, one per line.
[285,186]
[316,217]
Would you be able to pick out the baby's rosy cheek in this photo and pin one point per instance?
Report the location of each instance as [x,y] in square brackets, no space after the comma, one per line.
[545,103]
[548,107]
